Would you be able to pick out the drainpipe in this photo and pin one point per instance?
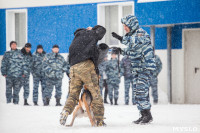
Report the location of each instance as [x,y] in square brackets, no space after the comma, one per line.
[152,33]
[169,64]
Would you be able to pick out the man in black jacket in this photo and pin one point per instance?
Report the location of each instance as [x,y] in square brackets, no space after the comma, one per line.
[84,60]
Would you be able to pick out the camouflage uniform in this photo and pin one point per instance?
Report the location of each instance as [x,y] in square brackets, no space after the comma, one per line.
[154,79]
[38,75]
[128,78]
[81,74]
[54,66]
[112,72]
[103,77]
[27,70]
[140,51]
[12,68]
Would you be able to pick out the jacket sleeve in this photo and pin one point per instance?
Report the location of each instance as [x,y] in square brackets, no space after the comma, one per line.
[4,64]
[149,59]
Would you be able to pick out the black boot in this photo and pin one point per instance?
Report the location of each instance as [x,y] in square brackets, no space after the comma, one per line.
[147,118]
[105,100]
[58,102]
[155,101]
[140,119]
[116,101]
[25,102]
[35,103]
[111,101]
[46,102]
[14,101]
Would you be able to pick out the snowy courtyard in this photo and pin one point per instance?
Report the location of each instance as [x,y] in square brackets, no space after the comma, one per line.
[167,118]
[39,119]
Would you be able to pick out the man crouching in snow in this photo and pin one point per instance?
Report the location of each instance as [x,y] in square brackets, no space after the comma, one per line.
[84,58]
[142,58]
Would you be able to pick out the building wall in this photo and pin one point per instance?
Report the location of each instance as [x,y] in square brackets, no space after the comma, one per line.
[168,12]
[2,31]
[57,24]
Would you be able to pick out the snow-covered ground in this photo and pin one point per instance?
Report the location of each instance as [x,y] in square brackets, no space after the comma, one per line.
[39,119]
[167,119]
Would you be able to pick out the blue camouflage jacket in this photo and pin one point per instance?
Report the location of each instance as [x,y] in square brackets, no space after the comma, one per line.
[139,49]
[12,64]
[125,66]
[37,64]
[27,62]
[112,71]
[54,66]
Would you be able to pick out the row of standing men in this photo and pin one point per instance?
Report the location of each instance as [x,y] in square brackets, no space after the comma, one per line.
[17,65]
[42,66]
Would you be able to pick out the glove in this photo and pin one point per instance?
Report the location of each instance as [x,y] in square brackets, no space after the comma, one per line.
[63,117]
[120,50]
[115,35]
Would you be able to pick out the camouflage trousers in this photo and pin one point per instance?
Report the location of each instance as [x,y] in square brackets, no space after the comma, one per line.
[49,84]
[113,87]
[13,86]
[84,74]
[36,81]
[25,85]
[128,81]
[154,87]
[141,85]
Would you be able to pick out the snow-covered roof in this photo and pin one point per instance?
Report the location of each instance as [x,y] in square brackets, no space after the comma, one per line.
[38,3]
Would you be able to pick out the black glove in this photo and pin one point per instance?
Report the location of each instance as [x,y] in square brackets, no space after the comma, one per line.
[115,35]
[120,50]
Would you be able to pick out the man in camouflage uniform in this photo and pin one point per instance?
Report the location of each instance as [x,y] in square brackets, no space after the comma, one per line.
[154,79]
[140,51]
[103,78]
[128,78]
[54,66]
[38,74]
[12,70]
[84,60]
[26,52]
[113,80]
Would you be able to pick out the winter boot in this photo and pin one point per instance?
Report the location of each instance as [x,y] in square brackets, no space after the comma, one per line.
[140,119]
[155,101]
[58,102]
[47,102]
[35,103]
[25,102]
[105,101]
[14,101]
[101,123]
[147,118]
[111,101]
[116,101]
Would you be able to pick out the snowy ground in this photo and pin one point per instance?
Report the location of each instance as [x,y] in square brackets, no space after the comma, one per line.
[39,119]
[167,118]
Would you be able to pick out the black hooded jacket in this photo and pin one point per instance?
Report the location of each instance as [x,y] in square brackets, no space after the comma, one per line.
[84,46]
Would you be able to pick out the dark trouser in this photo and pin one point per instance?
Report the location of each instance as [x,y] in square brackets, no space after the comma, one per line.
[15,83]
[128,81]
[50,83]
[141,85]
[106,89]
[154,87]
[36,81]
[25,84]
